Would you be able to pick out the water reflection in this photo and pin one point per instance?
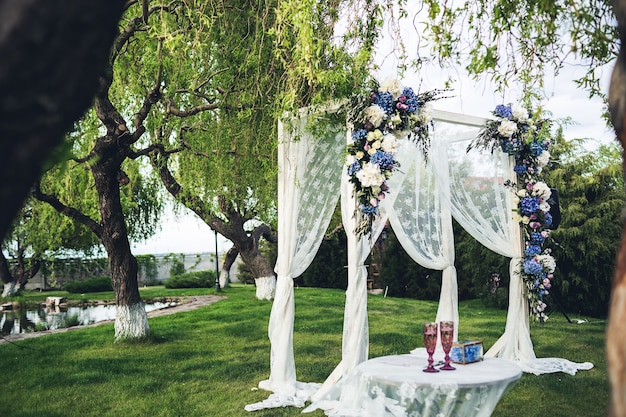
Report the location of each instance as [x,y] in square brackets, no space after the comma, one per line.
[55,317]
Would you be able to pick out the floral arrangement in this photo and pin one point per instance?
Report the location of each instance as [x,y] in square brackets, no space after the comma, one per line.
[525,136]
[388,113]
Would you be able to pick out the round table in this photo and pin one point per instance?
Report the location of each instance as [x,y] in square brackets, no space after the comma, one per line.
[396,386]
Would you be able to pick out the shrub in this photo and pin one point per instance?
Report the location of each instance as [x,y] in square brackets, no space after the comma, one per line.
[95,284]
[199,279]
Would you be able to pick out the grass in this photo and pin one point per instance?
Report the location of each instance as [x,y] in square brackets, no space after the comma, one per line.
[208,362]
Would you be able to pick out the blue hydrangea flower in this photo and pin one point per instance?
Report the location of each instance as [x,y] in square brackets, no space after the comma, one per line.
[359,134]
[503,111]
[548,219]
[385,101]
[354,168]
[368,209]
[529,205]
[519,169]
[383,159]
[536,149]
[537,238]
[532,267]
[532,250]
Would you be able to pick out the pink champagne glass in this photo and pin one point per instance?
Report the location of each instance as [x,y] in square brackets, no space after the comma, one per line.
[430,342]
[446,328]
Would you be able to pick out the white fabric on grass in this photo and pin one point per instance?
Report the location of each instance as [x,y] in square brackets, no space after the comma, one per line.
[310,168]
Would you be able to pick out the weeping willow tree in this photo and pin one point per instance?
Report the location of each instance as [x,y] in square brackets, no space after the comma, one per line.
[215,141]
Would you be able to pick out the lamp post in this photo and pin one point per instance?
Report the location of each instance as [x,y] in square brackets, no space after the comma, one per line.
[217,266]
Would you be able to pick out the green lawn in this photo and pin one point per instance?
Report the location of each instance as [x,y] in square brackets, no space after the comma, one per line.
[208,362]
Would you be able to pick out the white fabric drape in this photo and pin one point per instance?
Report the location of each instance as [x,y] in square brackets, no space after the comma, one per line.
[355,342]
[308,188]
[422,223]
[483,205]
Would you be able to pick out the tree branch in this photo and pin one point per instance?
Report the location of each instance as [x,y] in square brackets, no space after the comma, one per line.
[70,212]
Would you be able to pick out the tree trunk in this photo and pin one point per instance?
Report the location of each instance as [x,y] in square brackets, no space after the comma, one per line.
[616,329]
[9,288]
[131,320]
[229,260]
[261,269]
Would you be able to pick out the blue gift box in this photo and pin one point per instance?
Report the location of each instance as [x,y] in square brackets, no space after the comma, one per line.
[466,351]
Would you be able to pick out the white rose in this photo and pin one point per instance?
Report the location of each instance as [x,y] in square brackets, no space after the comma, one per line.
[545,207]
[359,155]
[520,114]
[377,145]
[370,175]
[522,193]
[350,160]
[507,128]
[543,159]
[541,190]
[391,85]
[374,114]
[548,262]
[390,144]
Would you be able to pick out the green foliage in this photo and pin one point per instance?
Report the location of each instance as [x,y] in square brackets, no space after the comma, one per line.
[519,41]
[147,265]
[89,285]
[328,269]
[199,279]
[591,191]
[402,277]
[177,262]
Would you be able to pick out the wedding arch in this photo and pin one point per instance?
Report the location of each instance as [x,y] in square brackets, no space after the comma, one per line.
[424,197]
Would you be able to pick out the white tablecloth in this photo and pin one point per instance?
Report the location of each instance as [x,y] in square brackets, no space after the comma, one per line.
[395,386]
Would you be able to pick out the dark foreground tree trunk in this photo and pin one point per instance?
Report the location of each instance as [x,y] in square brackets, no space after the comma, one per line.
[616,329]
[51,55]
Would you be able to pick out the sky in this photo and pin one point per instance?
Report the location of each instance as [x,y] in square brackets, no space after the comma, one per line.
[185,233]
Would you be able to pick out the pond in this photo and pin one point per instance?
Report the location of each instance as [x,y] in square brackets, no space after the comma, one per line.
[51,318]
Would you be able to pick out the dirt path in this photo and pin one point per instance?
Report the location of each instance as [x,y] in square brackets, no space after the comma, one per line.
[185,304]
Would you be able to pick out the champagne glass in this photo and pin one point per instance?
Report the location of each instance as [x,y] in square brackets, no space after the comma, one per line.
[446,328]
[430,342]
